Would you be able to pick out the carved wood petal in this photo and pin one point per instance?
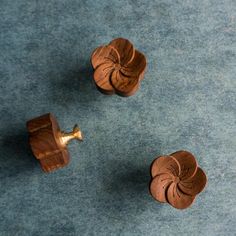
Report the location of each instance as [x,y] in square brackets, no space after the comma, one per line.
[102,78]
[165,164]
[187,162]
[159,186]
[177,198]
[194,185]
[125,49]
[124,85]
[136,67]
[105,54]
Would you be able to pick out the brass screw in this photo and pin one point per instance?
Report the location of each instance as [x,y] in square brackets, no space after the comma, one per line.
[75,134]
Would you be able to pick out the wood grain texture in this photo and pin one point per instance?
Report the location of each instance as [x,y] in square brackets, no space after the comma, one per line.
[177,179]
[118,67]
[44,135]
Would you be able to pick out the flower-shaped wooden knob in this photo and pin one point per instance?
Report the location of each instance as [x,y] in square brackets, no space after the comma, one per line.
[176,179]
[48,142]
[119,67]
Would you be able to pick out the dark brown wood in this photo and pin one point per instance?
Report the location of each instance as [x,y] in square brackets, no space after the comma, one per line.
[48,143]
[177,179]
[118,67]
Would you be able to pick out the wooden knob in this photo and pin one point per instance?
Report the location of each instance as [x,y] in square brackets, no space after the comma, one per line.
[177,179]
[48,142]
[118,67]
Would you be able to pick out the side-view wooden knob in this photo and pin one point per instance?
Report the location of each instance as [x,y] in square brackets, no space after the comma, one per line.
[49,143]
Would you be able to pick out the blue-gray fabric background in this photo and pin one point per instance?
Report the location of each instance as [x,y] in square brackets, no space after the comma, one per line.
[186,101]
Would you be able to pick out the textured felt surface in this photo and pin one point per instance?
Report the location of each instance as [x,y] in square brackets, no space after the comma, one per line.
[186,101]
